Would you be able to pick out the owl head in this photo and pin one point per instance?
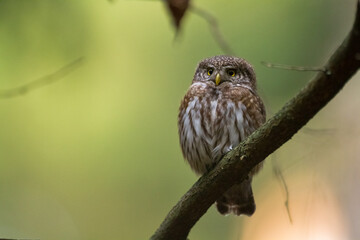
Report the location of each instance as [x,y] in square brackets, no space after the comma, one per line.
[221,71]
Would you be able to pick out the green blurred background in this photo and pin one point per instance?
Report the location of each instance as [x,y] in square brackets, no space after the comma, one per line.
[96,154]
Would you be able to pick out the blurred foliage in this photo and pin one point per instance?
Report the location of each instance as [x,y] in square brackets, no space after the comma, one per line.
[96,155]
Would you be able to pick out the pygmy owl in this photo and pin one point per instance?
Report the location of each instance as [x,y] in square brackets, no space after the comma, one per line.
[220,109]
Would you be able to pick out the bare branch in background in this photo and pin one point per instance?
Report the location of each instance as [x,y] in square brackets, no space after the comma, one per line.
[214,28]
[296,68]
[16,239]
[235,166]
[41,82]
[177,10]
[322,131]
[280,177]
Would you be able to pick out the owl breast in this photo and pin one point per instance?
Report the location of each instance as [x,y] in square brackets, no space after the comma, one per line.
[211,122]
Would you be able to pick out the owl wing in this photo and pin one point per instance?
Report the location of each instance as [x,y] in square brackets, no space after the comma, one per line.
[255,114]
[194,128]
[255,107]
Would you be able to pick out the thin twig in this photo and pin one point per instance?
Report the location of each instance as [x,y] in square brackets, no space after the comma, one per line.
[280,177]
[322,131]
[296,68]
[16,239]
[43,81]
[213,25]
[214,28]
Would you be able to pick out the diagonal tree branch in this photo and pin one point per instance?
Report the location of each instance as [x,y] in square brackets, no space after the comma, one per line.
[236,165]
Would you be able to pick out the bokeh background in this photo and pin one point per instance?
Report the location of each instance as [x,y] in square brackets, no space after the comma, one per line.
[96,154]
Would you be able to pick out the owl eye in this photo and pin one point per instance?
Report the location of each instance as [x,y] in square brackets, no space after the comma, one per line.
[210,71]
[231,72]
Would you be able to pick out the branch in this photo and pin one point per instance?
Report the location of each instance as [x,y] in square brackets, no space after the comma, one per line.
[280,177]
[237,164]
[41,82]
[214,28]
[296,68]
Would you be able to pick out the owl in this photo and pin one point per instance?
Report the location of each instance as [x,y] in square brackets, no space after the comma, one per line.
[220,109]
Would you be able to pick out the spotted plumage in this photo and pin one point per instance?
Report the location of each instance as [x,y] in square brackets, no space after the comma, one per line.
[220,109]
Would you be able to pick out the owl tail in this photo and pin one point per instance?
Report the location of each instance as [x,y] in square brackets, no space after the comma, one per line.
[238,200]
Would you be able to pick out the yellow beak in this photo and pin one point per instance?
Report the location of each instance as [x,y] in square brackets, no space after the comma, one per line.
[217,79]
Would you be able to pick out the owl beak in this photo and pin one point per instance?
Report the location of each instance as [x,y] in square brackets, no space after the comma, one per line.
[217,79]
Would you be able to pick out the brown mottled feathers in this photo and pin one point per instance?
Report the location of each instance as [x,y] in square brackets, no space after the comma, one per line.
[216,116]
